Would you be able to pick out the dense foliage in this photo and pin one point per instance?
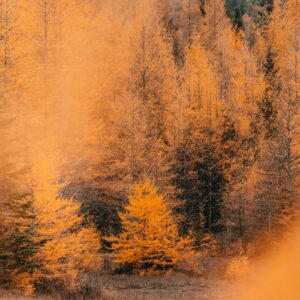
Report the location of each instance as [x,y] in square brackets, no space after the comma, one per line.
[201,97]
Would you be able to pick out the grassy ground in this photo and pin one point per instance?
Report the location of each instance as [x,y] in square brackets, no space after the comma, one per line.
[174,286]
[171,287]
[204,282]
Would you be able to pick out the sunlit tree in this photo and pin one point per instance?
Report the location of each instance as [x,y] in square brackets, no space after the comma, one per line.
[149,237]
[67,246]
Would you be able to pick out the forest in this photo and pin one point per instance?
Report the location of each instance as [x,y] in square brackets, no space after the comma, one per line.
[147,141]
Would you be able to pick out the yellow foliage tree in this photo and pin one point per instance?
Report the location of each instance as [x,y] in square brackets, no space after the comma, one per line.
[150,238]
[68,248]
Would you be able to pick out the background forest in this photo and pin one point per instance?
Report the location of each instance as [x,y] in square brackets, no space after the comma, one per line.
[125,125]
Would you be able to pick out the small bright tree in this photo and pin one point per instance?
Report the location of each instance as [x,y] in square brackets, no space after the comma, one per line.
[68,248]
[150,238]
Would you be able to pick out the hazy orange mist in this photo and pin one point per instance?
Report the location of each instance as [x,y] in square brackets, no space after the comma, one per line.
[61,125]
[279,278]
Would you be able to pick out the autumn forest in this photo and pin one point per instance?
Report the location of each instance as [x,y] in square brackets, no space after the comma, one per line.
[145,139]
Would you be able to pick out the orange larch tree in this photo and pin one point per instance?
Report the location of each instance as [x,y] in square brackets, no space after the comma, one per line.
[149,237]
[67,246]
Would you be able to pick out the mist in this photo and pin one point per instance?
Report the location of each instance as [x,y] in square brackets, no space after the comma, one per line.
[276,274]
[149,149]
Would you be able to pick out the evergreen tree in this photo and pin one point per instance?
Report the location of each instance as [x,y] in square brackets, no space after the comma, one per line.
[18,245]
[235,9]
[149,237]
[200,181]
[17,217]
[268,106]
[67,246]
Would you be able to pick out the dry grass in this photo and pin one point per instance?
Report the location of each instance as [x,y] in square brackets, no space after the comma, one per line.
[194,281]
[133,287]
[5,295]
[150,287]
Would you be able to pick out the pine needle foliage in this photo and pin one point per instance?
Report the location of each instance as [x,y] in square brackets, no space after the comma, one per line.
[150,238]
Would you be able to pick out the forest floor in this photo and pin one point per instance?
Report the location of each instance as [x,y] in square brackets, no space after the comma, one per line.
[173,287]
[206,285]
